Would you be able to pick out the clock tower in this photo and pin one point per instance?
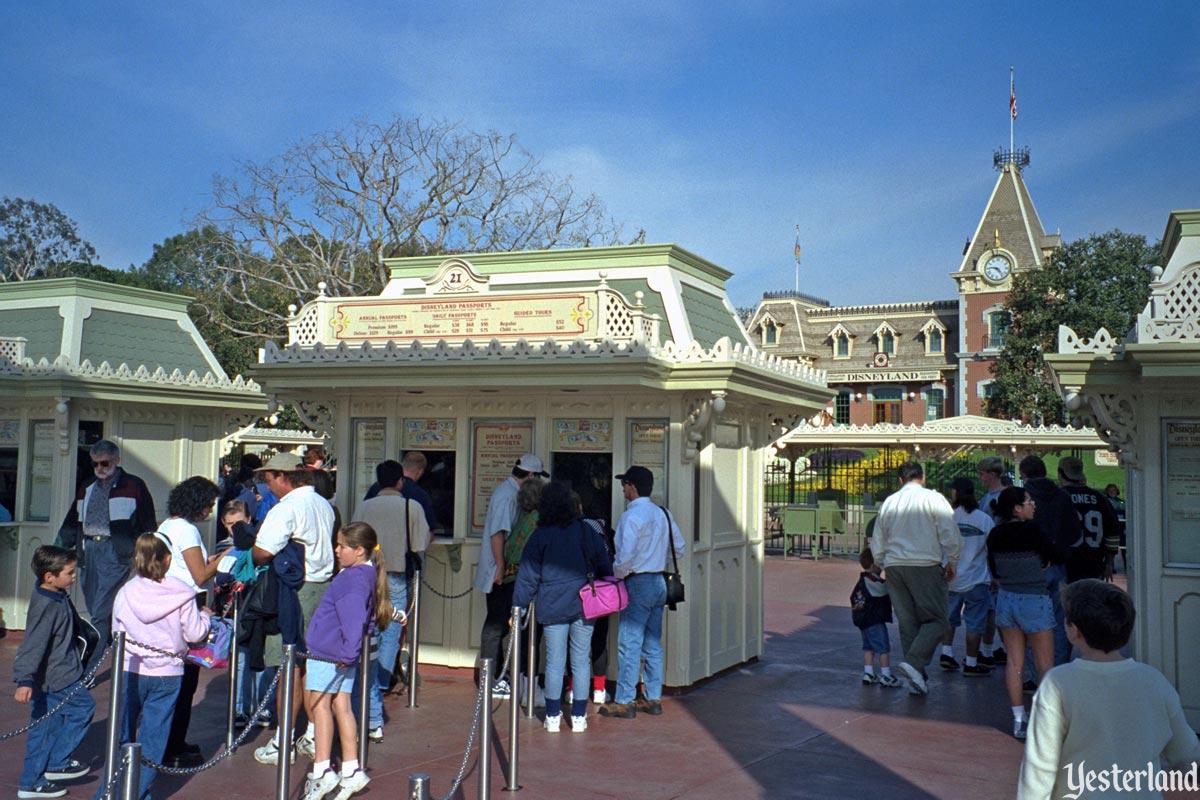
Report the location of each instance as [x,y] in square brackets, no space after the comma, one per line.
[1008,240]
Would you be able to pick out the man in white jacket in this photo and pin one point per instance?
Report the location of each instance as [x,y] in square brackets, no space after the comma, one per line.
[915,534]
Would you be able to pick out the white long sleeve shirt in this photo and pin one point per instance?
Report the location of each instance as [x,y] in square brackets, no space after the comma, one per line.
[642,539]
[916,528]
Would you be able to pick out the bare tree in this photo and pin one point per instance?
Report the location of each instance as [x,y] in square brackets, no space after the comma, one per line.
[332,207]
[37,240]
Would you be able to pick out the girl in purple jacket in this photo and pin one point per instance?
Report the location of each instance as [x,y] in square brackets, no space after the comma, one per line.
[357,600]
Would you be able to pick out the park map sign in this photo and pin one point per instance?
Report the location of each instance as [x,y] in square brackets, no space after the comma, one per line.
[533,317]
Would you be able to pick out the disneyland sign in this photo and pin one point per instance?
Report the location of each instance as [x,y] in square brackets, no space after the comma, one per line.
[885,376]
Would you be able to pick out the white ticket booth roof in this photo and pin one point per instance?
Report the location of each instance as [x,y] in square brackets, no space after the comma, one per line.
[595,360]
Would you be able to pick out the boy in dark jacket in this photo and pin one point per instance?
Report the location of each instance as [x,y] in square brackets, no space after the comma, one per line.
[871,610]
[49,671]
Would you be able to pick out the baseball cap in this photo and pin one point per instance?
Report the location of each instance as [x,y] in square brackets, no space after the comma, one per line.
[1071,468]
[283,462]
[532,463]
[641,478]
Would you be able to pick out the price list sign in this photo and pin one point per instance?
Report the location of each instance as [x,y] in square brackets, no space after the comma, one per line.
[495,448]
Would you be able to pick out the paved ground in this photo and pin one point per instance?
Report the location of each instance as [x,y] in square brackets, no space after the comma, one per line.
[796,724]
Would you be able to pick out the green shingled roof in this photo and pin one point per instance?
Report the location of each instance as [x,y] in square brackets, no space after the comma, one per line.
[709,318]
[120,337]
[42,327]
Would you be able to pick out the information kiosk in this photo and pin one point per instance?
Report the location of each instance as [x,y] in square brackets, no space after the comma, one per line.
[595,359]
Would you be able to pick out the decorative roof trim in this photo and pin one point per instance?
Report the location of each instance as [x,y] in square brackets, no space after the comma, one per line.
[926,306]
[65,367]
[839,330]
[965,430]
[550,349]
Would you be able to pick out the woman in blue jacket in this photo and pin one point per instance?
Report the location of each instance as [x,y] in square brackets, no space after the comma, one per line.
[558,559]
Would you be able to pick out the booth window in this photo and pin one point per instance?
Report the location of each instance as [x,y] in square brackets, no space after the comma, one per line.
[90,432]
[437,439]
[9,456]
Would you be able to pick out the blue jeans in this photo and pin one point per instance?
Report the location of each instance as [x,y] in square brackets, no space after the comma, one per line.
[51,743]
[1056,576]
[101,575]
[374,696]
[252,687]
[579,633]
[389,643]
[640,636]
[151,697]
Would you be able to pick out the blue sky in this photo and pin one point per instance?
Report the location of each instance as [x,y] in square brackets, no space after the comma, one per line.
[718,126]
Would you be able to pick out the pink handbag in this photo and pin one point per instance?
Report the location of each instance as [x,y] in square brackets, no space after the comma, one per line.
[603,596]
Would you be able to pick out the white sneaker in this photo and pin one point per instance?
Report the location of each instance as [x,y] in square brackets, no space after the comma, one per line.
[269,754]
[305,746]
[600,697]
[501,690]
[1020,727]
[578,724]
[552,723]
[375,735]
[913,677]
[316,788]
[350,784]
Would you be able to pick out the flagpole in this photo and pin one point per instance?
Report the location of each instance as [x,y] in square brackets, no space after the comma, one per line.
[796,252]
[1012,93]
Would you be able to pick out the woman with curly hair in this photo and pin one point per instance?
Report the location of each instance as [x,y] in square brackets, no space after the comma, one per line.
[191,501]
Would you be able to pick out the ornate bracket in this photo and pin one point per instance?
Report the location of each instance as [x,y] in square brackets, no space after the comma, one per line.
[700,412]
[1115,418]
[317,415]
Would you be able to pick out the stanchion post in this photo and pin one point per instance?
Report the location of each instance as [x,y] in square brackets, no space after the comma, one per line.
[414,637]
[283,771]
[485,730]
[365,679]
[234,688]
[514,703]
[418,787]
[531,659]
[132,779]
[112,746]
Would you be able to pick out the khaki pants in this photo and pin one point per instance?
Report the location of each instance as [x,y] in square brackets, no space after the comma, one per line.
[919,598]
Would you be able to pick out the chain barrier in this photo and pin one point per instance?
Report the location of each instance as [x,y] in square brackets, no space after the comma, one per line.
[80,686]
[462,769]
[110,789]
[429,586]
[513,683]
[268,699]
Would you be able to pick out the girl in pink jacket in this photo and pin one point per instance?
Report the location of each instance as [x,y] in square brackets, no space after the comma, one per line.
[161,612]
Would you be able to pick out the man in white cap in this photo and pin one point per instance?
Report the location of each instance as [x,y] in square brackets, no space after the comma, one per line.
[501,514]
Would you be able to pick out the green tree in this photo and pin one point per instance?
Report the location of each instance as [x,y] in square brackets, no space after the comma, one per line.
[37,240]
[1101,281]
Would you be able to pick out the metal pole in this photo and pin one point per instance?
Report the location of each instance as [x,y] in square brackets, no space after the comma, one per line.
[414,637]
[485,730]
[131,781]
[112,748]
[365,679]
[418,787]
[284,733]
[234,688]
[514,704]
[530,658]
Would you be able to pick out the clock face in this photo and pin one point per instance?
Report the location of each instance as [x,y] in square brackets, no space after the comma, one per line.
[996,269]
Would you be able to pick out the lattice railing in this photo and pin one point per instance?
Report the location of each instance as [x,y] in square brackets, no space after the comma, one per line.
[12,348]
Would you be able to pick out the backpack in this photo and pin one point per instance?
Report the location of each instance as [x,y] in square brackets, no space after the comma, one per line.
[213,652]
[866,609]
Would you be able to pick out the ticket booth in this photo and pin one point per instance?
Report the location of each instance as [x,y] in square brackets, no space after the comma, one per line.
[1140,392]
[595,359]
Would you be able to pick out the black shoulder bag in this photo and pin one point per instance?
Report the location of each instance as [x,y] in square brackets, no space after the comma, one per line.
[675,593]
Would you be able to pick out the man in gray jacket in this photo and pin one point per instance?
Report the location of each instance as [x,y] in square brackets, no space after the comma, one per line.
[915,534]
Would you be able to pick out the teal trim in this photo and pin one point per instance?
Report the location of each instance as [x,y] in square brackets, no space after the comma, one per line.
[708,317]
[43,327]
[121,338]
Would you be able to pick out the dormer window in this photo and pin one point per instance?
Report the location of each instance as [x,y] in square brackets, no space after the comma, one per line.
[842,341]
[935,337]
[770,333]
[885,339]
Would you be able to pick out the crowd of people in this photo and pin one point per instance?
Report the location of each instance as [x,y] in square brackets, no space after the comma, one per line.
[1033,562]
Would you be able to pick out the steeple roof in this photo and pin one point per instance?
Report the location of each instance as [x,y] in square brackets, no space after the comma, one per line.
[1010,218]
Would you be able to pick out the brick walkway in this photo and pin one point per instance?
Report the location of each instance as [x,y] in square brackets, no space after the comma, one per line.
[796,724]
